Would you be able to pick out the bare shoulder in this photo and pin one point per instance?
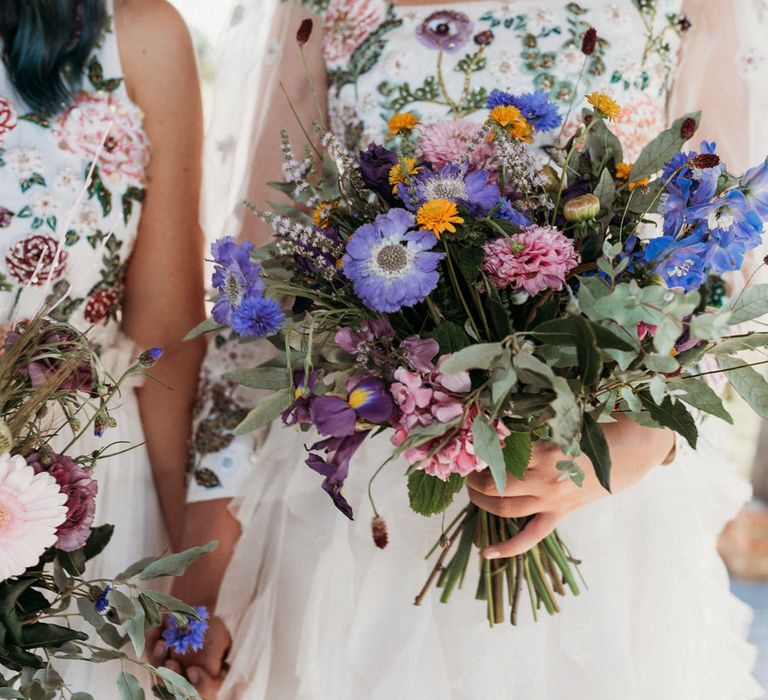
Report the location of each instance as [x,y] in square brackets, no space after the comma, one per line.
[155,47]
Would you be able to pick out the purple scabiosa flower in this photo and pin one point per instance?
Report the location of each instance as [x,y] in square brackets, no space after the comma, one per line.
[445,30]
[679,263]
[390,265]
[471,189]
[235,276]
[102,603]
[536,107]
[80,488]
[754,185]
[375,165]
[299,410]
[257,317]
[184,633]
[334,466]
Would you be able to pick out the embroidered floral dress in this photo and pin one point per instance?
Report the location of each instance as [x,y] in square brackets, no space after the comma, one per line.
[316,611]
[67,237]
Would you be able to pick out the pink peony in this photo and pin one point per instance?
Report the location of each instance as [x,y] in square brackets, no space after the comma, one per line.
[79,486]
[446,142]
[539,258]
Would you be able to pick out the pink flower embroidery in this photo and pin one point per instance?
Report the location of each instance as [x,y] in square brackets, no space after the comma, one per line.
[81,128]
[7,117]
[346,24]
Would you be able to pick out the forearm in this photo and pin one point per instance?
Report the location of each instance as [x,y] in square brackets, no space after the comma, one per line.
[166,402]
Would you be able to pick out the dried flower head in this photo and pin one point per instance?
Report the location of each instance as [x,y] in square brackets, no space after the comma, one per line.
[589,42]
[379,532]
[305,31]
[688,128]
[704,160]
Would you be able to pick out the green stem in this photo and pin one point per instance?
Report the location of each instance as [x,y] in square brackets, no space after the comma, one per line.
[455,283]
[486,539]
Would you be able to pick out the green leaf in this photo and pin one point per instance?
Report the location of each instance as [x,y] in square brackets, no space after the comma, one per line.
[121,603]
[517,453]
[267,410]
[81,696]
[751,303]
[605,191]
[470,261]
[700,395]
[479,356]
[11,694]
[503,380]
[451,337]
[671,415]
[89,614]
[571,471]
[429,495]
[658,152]
[590,364]
[261,377]
[177,684]
[603,145]
[667,334]
[747,382]
[661,363]
[533,371]
[129,687]
[175,564]
[170,603]
[487,446]
[595,446]
[43,635]
[98,540]
[135,568]
[135,627]
[737,343]
[207,326]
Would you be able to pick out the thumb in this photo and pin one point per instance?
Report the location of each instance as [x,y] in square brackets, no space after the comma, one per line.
[534,532]
[207,686]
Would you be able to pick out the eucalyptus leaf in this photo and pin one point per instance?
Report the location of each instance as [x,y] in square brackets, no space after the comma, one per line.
[595,446]
[503,380]
[571,471]
[266,411]
[260,377]
[566,423]
[661,363]
[747,382]
[175,564]
[700,395]
[129,687]
[135,568]
[605,190]
[533,371]
[135,627]
[81,696]
[207,326]
[429,495]
[121,603]
[658,152]
[487,446]
[633,403]
[667,334]
[178,683]
[737,343]
[751,303]
[480,356]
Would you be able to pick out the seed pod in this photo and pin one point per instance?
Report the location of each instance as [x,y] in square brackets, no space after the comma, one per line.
[688,128]
[589,42]
[551,178]
[582,208]
[379,531]
[305,31]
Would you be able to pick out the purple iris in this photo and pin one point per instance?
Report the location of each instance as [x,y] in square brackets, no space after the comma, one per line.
[445,30]
[235,276]
[534,106]
[472,189]
[681,264]
[754,185]
[389,264]
[335,465]
[734,228]
[299,410]
[368,399]
[375,164]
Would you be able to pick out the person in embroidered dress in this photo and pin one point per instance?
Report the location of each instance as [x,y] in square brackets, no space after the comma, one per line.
[109,89]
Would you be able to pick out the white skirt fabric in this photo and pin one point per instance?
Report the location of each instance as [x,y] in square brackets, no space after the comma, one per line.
[317,612]
[127,499]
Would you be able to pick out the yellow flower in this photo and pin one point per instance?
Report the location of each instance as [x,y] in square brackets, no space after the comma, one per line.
[512,119]
[607,106]
[438,216]
[404,121]
[322,213]
[622,173]
[398,175]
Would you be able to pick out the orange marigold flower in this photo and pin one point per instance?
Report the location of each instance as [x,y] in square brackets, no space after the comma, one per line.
[438,216]
[512,119]
[623,171]
[398,174]
[606,105]
[322,214]
[404,121]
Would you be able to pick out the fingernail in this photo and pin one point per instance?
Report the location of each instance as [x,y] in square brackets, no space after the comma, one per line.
[194,675]
[491,553]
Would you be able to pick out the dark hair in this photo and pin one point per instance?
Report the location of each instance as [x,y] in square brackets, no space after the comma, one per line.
[46,45]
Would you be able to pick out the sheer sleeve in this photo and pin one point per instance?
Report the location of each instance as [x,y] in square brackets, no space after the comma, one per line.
[244,154]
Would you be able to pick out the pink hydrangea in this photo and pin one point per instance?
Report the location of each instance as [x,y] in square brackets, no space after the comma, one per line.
[539,258]
[79,486]
[446,142]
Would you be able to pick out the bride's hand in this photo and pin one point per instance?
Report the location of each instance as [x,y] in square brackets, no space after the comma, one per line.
[635,450]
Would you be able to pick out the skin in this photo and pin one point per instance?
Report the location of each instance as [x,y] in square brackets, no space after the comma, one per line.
[164,284]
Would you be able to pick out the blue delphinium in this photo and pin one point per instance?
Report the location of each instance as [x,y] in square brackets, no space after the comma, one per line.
[184,633]
[257,317]
[102,603]
[681,264]
[472,189]
[536,107]
[509,213]
[390,265]
[754,185]
[235,276]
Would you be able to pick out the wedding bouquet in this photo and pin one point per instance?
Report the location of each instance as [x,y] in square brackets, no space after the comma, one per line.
[474,295]
[52,390]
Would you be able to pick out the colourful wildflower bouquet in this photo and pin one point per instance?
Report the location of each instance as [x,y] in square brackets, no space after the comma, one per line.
[474,294]
[52,390]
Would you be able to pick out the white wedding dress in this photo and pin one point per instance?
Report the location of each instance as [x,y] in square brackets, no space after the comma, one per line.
[316,611]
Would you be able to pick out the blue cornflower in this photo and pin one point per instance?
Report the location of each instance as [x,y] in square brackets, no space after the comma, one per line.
[257,317]
[184,633]
[389,264]
[472,190]
[235,276]
[508,212]
[681,264]
[150,357]
[754,185]
[536,107]
[102,603]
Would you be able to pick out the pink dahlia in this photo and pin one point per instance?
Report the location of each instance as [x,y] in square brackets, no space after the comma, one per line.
[31,508]
[539,258]
[446,142]
[79,486]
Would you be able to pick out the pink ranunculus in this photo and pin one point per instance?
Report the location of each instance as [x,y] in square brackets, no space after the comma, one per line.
[539,258]
[447,142]
[80,488]
[408,391]
[109,118]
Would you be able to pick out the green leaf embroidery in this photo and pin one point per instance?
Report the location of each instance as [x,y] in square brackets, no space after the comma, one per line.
[131,195]
[98,189]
